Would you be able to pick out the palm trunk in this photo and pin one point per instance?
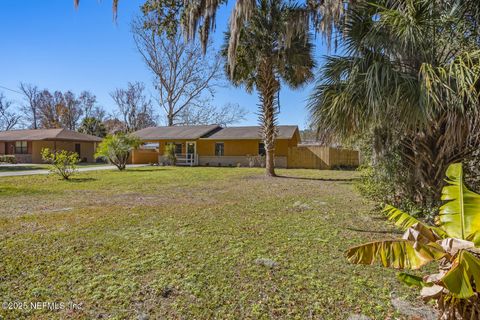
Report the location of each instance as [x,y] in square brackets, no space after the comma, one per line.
[268,86]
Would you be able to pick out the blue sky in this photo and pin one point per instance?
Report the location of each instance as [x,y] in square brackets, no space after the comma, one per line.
[54,46]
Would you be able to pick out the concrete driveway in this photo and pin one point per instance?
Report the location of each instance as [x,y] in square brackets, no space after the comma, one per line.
[45,171]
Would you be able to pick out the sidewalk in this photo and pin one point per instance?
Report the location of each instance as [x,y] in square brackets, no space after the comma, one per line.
[44,171]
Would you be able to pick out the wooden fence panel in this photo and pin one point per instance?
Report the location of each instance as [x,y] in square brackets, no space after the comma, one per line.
[318,157]
[343,157]
[140,156]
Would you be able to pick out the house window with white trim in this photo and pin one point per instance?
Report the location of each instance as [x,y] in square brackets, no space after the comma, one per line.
[21,147]
[219,149]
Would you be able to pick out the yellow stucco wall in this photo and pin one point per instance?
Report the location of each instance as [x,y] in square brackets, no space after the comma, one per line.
[87,149]
[206,148]
[240,147]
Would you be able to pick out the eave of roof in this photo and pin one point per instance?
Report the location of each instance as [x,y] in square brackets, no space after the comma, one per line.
[47,134]
[250,133]
[175,132]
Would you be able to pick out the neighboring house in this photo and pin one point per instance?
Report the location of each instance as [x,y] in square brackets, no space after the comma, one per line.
[213,145]
[27,145]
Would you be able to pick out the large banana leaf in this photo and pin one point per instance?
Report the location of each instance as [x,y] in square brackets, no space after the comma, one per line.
[465,269]
[401,219]
[419,233]
[460,216]
[398,254]
[405,221]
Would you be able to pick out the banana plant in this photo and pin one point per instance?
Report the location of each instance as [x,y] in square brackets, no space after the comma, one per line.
[453,242]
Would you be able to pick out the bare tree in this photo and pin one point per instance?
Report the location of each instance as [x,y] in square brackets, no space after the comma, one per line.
[184,76]
[31,108]
[49,109]
[70,111]
[134,107]
[227,115]
[88,104]
[8,119]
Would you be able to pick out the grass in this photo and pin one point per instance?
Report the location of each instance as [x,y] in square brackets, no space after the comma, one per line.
[183,243]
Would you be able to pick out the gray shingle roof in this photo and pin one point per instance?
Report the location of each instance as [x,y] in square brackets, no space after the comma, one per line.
[175,132]
[253,132]
[46,134]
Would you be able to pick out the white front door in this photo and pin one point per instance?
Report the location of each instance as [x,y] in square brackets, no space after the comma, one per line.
[191,152]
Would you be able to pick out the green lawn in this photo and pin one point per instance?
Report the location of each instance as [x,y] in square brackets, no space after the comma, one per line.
[183,243]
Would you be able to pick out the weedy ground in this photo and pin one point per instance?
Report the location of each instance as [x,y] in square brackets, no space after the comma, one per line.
[191,243]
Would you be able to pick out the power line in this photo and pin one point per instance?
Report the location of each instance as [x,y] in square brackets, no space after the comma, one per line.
[11,90]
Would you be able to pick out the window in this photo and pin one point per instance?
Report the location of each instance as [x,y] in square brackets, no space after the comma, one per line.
[77,148]
[21,147]
[261,148]
[178,148]
[219,149]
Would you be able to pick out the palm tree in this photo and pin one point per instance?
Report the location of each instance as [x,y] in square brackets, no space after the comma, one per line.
[409,72]
[269,51]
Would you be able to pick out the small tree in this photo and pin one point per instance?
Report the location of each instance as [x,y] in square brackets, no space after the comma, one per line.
[170,153]
[116,148]
[63,163]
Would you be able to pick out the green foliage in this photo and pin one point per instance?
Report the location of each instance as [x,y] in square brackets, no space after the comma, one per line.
[8,158]
[454,243]
[169,154]
[415,98]
[93,126]
[62,163]
[117,148]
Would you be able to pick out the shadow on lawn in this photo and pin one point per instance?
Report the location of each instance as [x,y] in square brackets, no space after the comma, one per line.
[317,179]
[78,180]
[142,169]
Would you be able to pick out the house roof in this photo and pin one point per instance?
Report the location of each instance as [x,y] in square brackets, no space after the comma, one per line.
[46,134]
[175,132]
[247,133]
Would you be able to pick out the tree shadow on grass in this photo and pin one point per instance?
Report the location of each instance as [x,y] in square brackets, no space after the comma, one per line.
[79,180]
[141,169]
[318,179]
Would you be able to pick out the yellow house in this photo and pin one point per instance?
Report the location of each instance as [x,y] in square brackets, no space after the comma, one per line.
[212,145]
[27,145]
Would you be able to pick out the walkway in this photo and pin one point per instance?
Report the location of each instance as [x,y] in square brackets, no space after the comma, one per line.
[45,171]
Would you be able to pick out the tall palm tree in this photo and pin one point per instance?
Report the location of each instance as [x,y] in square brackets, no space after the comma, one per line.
[270,51]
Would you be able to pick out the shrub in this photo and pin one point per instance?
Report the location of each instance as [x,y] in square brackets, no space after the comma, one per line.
[63,163]
[116,148]
[8,158]
[170,154]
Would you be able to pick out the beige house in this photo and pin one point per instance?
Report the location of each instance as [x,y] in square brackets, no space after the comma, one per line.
[27,145]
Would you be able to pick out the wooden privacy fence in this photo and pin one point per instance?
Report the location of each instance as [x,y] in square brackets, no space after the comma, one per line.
[318,157]
[143,156]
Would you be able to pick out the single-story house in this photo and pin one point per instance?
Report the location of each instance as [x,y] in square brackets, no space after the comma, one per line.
[27,145]
[213,145]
